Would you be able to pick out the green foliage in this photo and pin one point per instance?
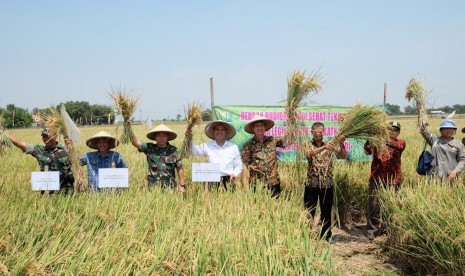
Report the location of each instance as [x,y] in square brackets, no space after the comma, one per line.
[21,118]
[392,109]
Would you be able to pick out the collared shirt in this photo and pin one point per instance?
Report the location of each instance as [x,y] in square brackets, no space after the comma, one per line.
[320,167]
[386,167]
[57,159]
[162,163]
[260,157]
[227,156]
[448,156]
[94,161]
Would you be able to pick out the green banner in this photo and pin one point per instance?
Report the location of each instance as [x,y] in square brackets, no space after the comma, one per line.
[240,115]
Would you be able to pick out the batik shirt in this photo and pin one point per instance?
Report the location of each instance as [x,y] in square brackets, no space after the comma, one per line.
[162,163]
[94,161]
[57,159]
[386,167]
[320,167]
[260,157]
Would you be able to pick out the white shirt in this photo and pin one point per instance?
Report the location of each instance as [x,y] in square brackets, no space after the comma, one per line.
[227,156]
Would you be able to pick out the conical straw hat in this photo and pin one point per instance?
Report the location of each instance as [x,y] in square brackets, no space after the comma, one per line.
[92,141]
[162,128]
[268,123]
[230,130]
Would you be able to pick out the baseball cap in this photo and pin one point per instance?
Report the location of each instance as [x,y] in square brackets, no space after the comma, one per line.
[395,124]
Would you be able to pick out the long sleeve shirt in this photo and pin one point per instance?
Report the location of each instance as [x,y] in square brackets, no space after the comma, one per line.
[228,156]
[448,156]
[386,167]
[95,161]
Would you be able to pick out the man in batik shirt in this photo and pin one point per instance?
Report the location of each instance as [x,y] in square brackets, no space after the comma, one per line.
[162,158]
[50,156]
[386,172]
[259,156]
[319,186]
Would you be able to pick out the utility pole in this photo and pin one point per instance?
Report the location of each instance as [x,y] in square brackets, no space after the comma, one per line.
[212,96]
[385,93]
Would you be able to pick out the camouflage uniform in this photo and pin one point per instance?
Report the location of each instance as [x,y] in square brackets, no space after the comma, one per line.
[260,157]
[162,164]
[57,159]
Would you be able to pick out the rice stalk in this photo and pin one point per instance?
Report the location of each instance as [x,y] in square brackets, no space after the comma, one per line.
[55,123]
[416,91]
[125,103]
[365,122]
[5,142]
[194,118]
[299,87]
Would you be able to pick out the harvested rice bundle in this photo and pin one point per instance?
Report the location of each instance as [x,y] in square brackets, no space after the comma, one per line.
[56,124]
[415,90]
[125,103]
[194,118]
[299,87]
[365,122]
[5,142]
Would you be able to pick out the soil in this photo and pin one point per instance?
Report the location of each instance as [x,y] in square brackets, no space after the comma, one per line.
[357,255]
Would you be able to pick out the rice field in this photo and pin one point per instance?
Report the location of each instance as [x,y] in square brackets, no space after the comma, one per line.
[144,231]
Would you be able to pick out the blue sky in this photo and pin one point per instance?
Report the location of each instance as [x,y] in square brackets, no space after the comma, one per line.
[57,51]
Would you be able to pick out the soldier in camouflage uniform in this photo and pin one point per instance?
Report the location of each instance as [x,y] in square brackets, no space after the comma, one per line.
[51,157]
[162,158]
[259,156]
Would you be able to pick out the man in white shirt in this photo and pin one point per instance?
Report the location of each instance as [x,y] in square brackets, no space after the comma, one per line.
[220,150]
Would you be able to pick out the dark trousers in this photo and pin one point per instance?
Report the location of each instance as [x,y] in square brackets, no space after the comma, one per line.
[223,183]
[274,189]
[325,196]
[375,224]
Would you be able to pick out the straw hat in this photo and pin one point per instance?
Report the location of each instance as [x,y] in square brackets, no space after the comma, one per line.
[230,130]
[249,126]
[162,128]
[92,141]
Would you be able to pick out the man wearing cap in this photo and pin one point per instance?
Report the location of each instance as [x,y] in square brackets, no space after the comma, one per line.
[103,158]
[259,155]
[51,156]
[162,158]
[220,150]
[385,171]
[449,158]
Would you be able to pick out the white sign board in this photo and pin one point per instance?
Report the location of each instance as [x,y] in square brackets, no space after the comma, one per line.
[113,178]
[206,172]
[45,181]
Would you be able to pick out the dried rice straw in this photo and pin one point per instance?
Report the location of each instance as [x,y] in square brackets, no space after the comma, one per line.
[365,122]
[5,142]
[125,103]
[299,87]
[55,123]
[415,90]
[194,118]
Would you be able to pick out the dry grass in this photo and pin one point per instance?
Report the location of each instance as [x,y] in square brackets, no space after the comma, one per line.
[125,103]
[416,91]
[194,118]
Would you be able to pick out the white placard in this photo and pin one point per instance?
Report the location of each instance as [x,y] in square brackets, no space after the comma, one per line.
[113,178]
[206,172]
[45,181]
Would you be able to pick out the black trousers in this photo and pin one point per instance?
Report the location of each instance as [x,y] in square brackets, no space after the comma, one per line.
[223,182]
[325,196]
[375,224]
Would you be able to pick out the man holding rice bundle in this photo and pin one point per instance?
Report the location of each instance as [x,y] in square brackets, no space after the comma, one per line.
[220,150]
[162,158]
[51,157]
[259,156]
[385,171]
[319,185]
[449,157]
[103,158]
